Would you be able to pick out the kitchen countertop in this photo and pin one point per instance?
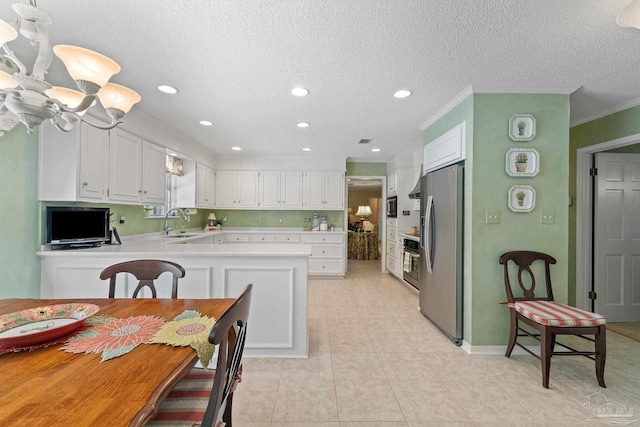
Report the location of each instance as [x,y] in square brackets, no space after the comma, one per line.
[408,235]
[158,245]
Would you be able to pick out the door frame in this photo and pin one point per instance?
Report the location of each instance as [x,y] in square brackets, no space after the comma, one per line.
[584,217]
[381,233]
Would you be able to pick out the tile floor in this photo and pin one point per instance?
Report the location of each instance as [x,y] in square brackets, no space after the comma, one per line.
[375,361]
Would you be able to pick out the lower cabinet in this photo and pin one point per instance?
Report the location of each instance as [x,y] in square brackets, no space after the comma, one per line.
[328,254]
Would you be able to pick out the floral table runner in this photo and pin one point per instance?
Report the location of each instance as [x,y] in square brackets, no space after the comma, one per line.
[113,337]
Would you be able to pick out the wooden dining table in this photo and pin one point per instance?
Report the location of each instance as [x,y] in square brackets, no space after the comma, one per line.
[51,387]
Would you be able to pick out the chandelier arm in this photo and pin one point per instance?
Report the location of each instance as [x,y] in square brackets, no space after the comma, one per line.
[84,104]
[13,58]
[63,128]
[113,123]
[45,53]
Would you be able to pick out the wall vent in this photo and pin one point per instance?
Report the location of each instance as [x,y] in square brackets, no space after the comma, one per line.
[364,141]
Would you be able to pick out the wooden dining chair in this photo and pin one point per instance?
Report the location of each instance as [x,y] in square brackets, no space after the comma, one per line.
[547,317]
[146,271]
[184,405]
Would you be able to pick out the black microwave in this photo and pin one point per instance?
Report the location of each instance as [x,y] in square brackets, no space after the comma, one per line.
[392,207]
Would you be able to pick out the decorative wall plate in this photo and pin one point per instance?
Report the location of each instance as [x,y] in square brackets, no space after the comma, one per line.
[41,324]
[521,198]
[522,127]
[514,165]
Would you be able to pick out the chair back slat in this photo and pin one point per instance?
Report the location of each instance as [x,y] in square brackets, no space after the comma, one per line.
[146,271]
[526,282]
[228,333]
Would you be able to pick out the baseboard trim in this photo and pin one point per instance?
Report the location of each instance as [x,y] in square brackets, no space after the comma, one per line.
[496,350]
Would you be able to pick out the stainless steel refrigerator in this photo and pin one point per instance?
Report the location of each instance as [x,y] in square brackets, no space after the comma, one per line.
[441,228]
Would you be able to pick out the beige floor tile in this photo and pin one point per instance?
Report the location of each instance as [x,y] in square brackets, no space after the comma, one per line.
[306,400]
[254,399]
[259,367]
[445,424]
[304,424]
[367,400]
[493,404]
[373,424]
[407,366]
[350,340]
[453,366]
[357,366]
[250,423]
[316,366]
[427,401]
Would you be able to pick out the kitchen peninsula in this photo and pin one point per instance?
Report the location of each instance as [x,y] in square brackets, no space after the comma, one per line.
[278,272]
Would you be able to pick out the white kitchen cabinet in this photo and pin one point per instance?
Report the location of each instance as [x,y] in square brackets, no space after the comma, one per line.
[269,190]
[328,254]
[73,166]
[324,190]
[136,169]
[280,190]
[392,183]
[393,250]
[205,187]
[236,189]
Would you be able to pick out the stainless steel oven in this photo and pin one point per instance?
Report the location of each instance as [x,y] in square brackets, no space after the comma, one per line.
[411,262]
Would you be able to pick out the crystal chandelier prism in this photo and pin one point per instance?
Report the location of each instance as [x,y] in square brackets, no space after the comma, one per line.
[30,99]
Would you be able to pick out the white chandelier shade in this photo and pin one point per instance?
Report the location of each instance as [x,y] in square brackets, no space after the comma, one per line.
[630,15]
[29,98]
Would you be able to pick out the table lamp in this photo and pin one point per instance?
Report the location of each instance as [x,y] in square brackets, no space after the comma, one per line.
[363,211]
[211,218]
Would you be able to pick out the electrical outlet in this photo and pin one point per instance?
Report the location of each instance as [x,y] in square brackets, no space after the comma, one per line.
[492,217]
[547,217]
[121,221]
[280,220]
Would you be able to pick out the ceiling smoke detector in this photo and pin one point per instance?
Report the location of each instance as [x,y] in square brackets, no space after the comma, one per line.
[364,141]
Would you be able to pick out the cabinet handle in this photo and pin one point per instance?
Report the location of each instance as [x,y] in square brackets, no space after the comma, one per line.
[145,191]
[139,191]
[85,183]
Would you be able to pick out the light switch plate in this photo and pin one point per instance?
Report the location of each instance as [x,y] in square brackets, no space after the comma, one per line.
[492,217]
[547,217]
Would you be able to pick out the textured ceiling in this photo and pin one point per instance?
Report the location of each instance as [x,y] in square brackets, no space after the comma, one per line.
[236,61]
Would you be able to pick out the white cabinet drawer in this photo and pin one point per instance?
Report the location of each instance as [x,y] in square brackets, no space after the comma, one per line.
[392,222]
[392,234]
[326,251]
[289,238]
[323,239]
[325,266]
[263,238]
[391,247]
[218,239]
[391,264]
[236,238]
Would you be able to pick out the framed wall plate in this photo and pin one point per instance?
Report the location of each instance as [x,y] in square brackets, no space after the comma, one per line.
[522,162]
[522,198]
[522,127]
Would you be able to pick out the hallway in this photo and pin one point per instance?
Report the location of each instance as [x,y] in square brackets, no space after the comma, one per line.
[375,361]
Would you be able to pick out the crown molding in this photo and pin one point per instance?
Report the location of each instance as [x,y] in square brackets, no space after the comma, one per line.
[469,90]
[621,107]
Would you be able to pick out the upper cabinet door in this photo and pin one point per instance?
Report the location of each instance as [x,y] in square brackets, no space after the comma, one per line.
[225,189]
[334,192]
[154,182]
[247,189]
[313,190]
[291,190]
[269,192]
[94,160]
[125,152]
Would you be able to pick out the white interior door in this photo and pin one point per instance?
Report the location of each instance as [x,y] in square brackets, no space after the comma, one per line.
[617,237]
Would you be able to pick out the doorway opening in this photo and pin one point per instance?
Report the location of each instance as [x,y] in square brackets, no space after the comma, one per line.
[366,234]
[586,213]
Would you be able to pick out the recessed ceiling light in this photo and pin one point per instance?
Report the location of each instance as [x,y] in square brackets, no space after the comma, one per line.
[236,148]
[167,89]
[299,91]
[402,93]
[306,149]
[303,124]
[205,123]
[375,150]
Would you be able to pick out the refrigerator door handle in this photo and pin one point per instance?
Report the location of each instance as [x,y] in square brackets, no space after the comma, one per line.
[427,234]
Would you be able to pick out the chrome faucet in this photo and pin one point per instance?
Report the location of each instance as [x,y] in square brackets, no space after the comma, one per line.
[168,229]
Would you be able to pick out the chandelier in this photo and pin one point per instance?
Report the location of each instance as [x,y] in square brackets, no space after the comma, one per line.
[30,99]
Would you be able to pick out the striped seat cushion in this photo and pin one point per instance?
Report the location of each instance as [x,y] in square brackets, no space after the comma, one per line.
[187,401]
[552,313]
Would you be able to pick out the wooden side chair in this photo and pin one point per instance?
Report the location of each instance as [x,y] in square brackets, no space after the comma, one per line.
[146,271]
[184,405]
[547,317]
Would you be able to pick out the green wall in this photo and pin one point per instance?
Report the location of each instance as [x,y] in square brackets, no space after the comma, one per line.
[247,218]
[608,128]
[366,169]
[19,215]
[486,188]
